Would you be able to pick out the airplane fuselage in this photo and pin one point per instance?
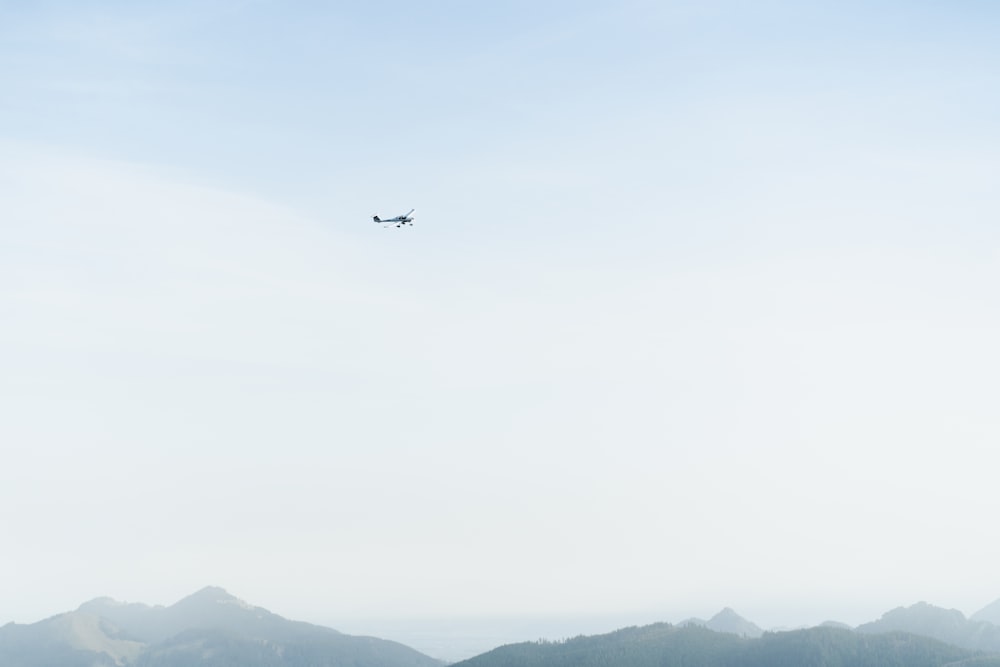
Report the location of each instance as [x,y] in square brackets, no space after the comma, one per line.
[398,221]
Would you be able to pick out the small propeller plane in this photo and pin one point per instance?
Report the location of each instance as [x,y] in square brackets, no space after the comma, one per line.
[398,221]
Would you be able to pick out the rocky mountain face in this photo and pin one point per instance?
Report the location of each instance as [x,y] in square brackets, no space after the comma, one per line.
[210,629]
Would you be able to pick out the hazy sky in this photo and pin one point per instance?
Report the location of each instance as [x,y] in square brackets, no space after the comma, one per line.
[700,307]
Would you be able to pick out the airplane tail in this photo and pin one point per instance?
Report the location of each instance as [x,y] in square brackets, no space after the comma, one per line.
[376,218]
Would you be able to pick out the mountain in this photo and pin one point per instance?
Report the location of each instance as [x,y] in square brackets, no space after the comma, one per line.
[67,640]
[990,613]
[947,625]
[835,624]
[210,607]
[727,621]
[210,628]
[664,645]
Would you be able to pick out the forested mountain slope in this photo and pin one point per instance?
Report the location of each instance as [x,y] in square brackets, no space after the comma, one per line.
[664,645]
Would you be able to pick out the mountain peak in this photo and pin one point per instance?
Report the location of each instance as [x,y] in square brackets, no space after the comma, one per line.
[726,614]
[120,613]
[103,601]
[925,612]
[213,594]
[729,621]
[211,597]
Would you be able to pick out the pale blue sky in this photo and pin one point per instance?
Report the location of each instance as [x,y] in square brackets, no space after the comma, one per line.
[699,308]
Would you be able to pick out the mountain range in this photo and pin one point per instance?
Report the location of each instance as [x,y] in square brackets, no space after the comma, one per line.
[917,636]
[664,645]
[212,628]
[947,625]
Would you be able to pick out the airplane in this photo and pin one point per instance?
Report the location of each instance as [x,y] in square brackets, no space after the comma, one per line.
[398,221]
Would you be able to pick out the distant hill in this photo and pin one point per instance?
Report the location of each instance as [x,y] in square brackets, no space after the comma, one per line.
[209,629]
[727,621]
[990,613]
[835,624]
[664,645]
[947,625]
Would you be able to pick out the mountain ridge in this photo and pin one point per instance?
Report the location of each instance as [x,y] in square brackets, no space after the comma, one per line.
[664,645]
[947,625]
[209,627]
[990,613]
